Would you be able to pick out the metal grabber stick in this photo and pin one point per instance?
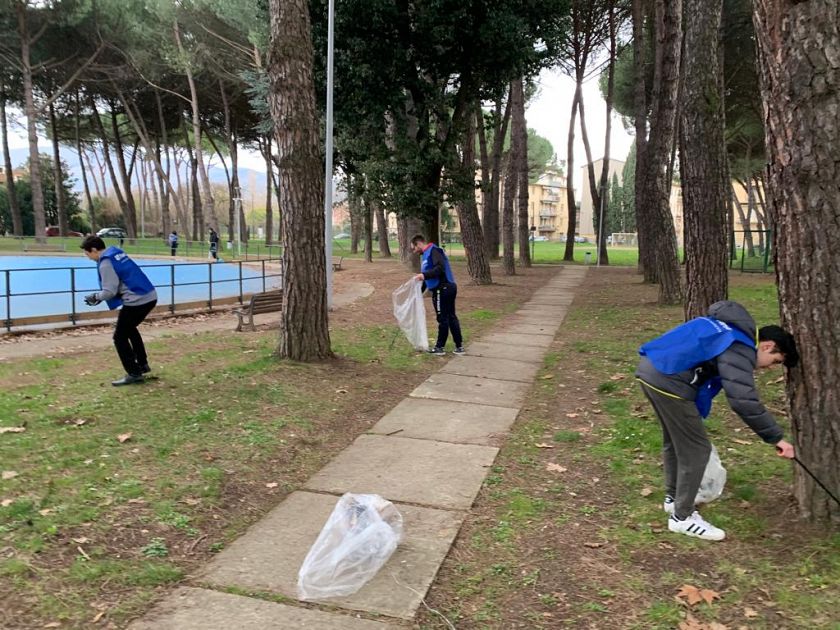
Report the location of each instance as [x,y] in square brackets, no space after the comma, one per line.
[814,477]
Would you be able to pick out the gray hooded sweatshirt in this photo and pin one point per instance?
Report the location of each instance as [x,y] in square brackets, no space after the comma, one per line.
[735,366]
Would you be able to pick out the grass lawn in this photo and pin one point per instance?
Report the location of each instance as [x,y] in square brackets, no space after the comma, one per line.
[568,530]
[110,495]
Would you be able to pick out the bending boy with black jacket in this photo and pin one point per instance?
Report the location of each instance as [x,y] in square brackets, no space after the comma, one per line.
[681,372]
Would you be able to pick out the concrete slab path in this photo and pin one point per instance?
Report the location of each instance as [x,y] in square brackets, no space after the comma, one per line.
[429,455]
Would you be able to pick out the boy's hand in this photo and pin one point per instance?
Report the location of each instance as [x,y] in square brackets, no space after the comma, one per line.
[91,299]
[420,277]
[785,449]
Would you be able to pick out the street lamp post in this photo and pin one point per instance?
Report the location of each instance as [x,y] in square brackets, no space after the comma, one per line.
[328,169]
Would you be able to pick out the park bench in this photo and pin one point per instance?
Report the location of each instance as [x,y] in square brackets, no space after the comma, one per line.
[268,302]
[336,262]
[44,247]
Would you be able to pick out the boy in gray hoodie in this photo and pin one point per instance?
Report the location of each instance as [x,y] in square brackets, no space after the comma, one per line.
[682,371]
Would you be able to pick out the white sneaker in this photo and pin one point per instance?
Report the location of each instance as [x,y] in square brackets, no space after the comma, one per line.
[668,504]
[697,527]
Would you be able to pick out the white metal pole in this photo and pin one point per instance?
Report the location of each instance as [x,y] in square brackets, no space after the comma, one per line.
[238,223]
[600,227]
[328,169]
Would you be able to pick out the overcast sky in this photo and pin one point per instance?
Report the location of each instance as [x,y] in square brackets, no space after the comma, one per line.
[548,114]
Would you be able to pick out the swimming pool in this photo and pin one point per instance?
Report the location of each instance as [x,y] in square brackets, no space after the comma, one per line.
[32,286]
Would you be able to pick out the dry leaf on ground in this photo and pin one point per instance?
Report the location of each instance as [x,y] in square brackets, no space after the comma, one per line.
[552,467]
[646,492]
[694,595]
[737,441]
[12,429]
[572,415]
[271,484]
[124,437]
[750,612]
[593,545]
[544,445]
[8,474]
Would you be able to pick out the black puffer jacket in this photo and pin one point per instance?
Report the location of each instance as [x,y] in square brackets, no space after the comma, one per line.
[735,366]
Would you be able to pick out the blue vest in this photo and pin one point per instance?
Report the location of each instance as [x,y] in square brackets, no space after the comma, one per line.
[427,264]
[691,344]
[128,272]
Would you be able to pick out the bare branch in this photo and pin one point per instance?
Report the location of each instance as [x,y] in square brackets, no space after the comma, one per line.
[57,94]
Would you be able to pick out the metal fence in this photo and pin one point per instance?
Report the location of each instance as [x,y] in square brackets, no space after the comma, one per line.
[262,279]
[247,250]
[752,251]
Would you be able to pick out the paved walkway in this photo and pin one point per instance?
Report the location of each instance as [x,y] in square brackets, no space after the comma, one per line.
[429,455]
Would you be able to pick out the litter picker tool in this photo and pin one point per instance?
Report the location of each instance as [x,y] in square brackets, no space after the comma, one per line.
[818,482]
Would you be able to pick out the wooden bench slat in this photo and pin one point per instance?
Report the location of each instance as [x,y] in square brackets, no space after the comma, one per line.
[260,303]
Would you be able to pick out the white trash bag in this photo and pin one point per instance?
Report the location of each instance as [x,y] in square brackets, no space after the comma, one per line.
[714,479]
[360,535]
[411,313]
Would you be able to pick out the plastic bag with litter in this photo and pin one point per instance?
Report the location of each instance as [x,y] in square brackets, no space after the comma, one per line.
[411,313]
[714,479]
[360,535]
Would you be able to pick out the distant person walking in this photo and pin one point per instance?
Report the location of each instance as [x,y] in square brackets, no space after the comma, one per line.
[124,284]
[437,275]
[173,242]
[214,244]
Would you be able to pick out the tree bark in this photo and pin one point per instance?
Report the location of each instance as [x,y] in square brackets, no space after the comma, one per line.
[368,223]
[490,208]
[58,176]
[472,235]
[382,228]
[798,44]
[703,160]
[595,193]
[164,182]
[304,331]
[14,206]
[647,257]
[38,210]
[519,136]
[209,205]
[233,179]
[83,168]
[106,154]
[508,240]
[130,209]
[569,254]
[601,219]
[354,205]
[656,188]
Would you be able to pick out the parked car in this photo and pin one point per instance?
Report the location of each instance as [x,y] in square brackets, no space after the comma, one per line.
[341,236]
[539,239]
[111,232]
[52,230]
[581,239]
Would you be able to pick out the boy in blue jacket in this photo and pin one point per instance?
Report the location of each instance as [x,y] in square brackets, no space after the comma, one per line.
[436,272]
[124,284]
[681,372]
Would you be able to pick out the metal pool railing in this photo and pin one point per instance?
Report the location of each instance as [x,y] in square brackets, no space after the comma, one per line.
[255,278]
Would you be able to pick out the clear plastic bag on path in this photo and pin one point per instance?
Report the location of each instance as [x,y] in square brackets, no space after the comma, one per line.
[360,535]
[411,313]
[714,479]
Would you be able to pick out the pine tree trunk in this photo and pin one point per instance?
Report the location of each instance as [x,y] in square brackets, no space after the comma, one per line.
[472,236]
[569,254]
[269,181]
[601,214]
[519,136]
[508,241]
[368,223]
[304,332]
[83,168]
[491,204]
[382,228]
[647,255]
[14,206]
[58,176]
[164,182]
[38,209]
[106,155]
[656,187]
[594,190]
[703,160]
[130,210]
[354,206]
[798,45]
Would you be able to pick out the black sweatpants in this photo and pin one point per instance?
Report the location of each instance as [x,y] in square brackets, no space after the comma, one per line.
[443,300]
[127,339]
[685,448]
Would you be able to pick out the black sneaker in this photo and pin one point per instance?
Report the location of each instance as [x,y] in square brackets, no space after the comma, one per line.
[436,351]
[460,350]
[128,379]
[145,369]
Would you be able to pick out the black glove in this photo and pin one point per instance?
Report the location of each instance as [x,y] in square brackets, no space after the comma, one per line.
[92,300]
